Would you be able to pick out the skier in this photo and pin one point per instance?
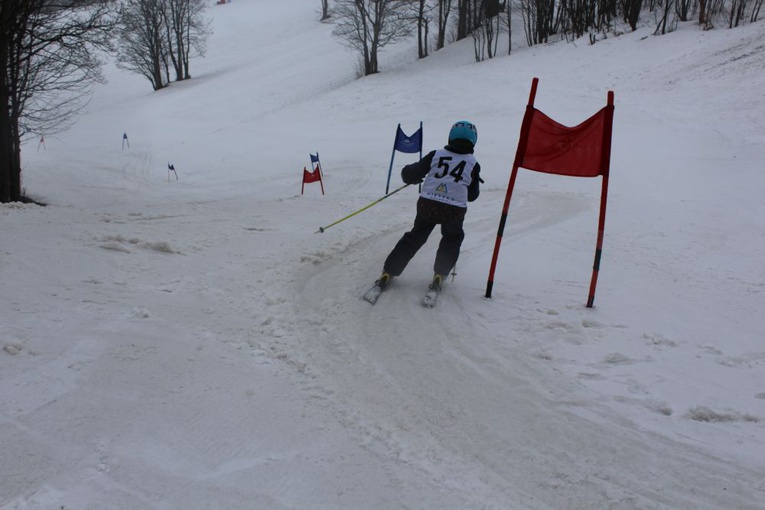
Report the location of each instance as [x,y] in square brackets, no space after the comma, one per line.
[451,180]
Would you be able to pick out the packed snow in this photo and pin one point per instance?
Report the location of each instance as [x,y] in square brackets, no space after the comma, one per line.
[193,343]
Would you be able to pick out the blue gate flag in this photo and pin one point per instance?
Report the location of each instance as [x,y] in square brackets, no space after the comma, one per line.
[315,163]
[408,144]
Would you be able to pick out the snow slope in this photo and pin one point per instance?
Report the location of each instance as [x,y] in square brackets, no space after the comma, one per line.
[193,343]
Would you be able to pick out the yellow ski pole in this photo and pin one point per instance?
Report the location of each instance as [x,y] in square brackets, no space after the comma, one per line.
[322,229]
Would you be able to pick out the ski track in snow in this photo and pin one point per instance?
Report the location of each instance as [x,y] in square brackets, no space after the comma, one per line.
[437,379]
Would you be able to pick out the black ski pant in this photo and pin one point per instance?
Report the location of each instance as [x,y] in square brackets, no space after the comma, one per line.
[429,214]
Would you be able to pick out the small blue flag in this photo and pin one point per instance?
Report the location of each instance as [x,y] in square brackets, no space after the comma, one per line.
[408,144]
[315,159]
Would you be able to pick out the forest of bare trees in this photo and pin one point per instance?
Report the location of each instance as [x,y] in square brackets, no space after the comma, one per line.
[368,25]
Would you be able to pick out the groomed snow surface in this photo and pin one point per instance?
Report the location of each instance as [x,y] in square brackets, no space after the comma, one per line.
[194,344]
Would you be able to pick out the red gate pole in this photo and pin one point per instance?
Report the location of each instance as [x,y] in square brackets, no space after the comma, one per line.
[605,170]
[519,155]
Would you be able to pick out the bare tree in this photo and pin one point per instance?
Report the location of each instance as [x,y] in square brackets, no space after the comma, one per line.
[582,16]
[486,33]
[367,26]
[142,43]
[444,8]
[756,10]
[506,22]
[186,31]
[683,9]
[463,18]
[468,17]
[662,26]
[702,13]
[539,20]
[737,10]
[324,10]
[157,35]
[422,16]
[709,10]
[49,52]
[631,12]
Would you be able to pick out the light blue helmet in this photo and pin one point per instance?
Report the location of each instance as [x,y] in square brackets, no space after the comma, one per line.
[465,130]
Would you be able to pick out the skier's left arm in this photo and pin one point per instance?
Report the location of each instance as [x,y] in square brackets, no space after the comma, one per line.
[416,172]
[475,181]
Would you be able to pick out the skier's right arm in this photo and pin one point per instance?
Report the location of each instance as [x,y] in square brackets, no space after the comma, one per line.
[416,172]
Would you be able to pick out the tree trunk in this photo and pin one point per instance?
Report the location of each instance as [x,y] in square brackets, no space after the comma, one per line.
[10,155]
[463,12]
[444,7]
[7,191]
[324,10]
[420,48]
[10,169]
[372,68]
[509,13]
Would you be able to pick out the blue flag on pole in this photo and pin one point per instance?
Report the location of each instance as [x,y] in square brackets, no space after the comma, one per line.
[315,163]
[408,144]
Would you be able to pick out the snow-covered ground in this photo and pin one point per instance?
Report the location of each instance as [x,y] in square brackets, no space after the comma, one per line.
[194,344]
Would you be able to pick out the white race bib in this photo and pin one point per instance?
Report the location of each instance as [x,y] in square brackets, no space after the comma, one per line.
[449,177]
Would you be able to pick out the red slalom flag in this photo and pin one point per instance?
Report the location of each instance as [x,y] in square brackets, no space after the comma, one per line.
[550,147]
[578,151]
[309,177]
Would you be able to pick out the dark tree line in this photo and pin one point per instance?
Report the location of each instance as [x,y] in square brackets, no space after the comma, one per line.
[49,53]
[368,25]
[577,18]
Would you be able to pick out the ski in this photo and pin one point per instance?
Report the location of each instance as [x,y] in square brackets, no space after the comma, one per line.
[430,298]
[373,294]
